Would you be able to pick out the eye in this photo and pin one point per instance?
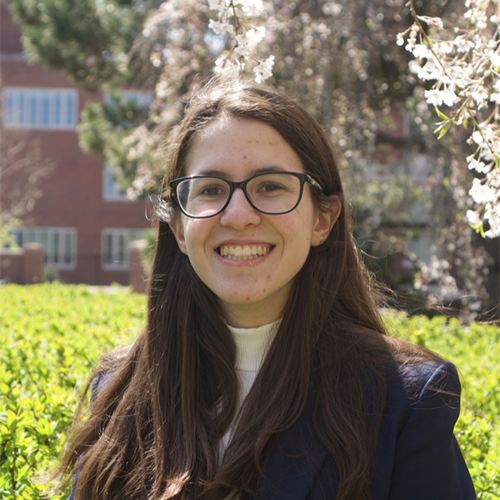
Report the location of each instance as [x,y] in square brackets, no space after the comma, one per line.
[212,190]
[269,187]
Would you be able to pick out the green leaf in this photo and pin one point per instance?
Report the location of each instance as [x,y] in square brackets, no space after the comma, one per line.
[441,114]
[444,129]
[479,229]
[497,160]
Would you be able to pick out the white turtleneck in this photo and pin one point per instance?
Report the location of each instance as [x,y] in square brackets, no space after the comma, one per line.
[252,345]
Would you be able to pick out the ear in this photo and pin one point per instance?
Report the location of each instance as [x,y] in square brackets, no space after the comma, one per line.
[178,230]
[325,222]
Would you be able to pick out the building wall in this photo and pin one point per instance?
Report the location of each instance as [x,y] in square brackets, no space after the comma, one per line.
[72,194]
[10,41]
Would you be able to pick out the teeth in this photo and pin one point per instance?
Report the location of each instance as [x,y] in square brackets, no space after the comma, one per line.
[245,252]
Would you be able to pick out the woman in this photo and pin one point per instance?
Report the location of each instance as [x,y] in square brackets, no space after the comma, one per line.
[264,370]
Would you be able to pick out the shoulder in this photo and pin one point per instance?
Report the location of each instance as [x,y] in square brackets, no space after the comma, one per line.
[418,455]
[110,365]
[419,379]
[414,373]
[422,393]
[99,383]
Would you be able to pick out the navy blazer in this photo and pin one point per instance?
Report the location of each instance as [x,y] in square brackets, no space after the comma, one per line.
[417,456]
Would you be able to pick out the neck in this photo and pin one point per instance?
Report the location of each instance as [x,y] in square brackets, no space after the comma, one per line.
[252,315]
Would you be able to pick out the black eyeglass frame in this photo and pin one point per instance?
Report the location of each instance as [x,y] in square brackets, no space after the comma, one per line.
[243,186]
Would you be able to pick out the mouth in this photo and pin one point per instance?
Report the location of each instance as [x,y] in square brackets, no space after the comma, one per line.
[243,252]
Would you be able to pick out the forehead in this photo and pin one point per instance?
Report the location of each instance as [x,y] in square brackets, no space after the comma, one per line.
[236,147]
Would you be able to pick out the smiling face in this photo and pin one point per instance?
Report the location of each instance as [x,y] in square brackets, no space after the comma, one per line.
[248,259]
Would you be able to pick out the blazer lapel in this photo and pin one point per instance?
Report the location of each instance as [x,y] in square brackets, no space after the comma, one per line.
[294,463]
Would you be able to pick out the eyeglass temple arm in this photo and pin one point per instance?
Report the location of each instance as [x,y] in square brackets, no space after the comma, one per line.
[313,182]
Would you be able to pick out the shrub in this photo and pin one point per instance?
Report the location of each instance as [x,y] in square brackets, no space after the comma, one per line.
[52,335]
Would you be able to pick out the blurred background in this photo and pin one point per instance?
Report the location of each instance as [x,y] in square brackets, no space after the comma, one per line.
[91,88]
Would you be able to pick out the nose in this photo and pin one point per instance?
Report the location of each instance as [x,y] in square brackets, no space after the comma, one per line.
[239,213]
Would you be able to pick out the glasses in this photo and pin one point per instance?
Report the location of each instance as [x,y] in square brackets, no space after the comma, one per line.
[274,193]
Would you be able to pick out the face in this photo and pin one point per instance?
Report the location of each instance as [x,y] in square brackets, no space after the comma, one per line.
[248,259]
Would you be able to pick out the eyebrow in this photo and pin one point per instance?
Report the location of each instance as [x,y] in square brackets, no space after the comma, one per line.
[224,175]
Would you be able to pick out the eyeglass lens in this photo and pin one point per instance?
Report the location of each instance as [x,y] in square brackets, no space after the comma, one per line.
[272,193]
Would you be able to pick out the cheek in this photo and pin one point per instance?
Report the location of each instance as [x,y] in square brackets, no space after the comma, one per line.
[196,233]
[297,240]
[303,229]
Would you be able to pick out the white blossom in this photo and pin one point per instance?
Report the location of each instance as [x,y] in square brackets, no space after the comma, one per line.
[449,97]
[458,76]
[251,7]
[464,63]
[477,165]
[437,97]
[463,44]
[243,38]
[264,69]
[479,95]
[477,137]
[477,15]
[432,21]
[474,218]
[412,38]
[218,5]
[493,178]
[228,68]
[420,51]
[414,67]
[492,215]
[221,28]
[431,70]
[487,136]
[247,42]
[495,97]
[434,97]
[481,193]
[443,47]
[495,60]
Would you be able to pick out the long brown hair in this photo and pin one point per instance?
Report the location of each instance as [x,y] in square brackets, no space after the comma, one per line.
[162,407]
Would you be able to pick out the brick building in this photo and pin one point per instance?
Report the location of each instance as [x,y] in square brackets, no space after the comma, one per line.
[82,219]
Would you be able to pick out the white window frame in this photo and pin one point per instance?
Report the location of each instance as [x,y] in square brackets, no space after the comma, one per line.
[110,189]
[118,259]
[47,236]
[39,108]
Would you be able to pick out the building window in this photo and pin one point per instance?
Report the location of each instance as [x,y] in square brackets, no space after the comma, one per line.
[59,244]
[111,190]
[140,98]
[32,108]
[116,255]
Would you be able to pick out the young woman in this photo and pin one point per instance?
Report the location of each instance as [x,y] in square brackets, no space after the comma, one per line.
[264,371]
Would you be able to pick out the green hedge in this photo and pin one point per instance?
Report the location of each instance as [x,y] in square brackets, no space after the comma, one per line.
[51,336]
